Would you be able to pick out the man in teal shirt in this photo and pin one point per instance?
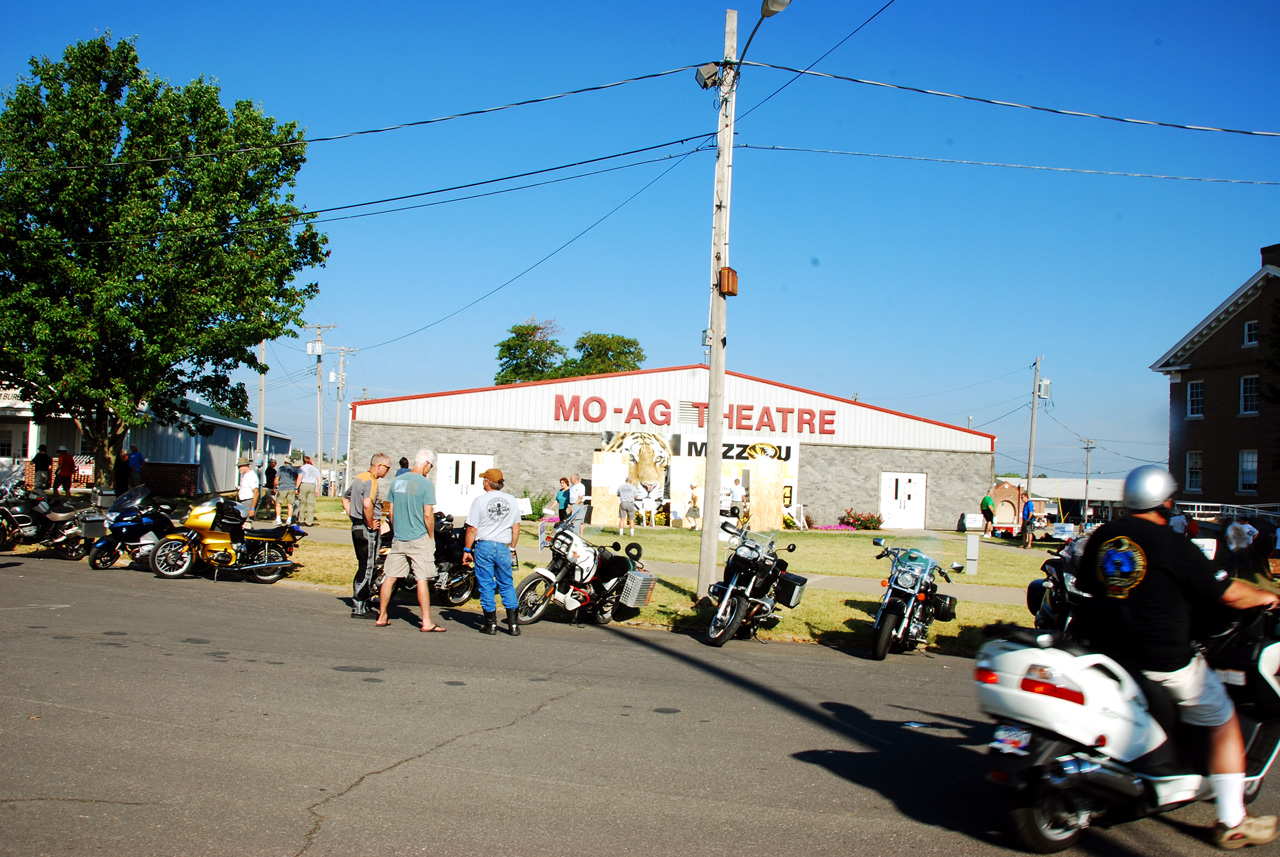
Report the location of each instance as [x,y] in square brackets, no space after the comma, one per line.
[413,498]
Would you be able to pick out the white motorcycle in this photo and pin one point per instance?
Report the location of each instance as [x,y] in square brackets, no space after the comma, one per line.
[1078,737]
[584,576]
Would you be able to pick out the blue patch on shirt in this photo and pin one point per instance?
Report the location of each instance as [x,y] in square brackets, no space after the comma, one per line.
[1122,565]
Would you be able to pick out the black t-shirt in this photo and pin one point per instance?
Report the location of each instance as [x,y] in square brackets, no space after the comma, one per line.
[42,461]
[1147,580]
[270,474]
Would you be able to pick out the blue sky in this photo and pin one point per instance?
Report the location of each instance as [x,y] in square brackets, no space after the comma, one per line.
[917,285]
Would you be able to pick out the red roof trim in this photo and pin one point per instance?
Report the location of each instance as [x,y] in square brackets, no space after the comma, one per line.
[778,384]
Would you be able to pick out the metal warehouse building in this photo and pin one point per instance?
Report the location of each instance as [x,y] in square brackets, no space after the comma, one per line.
[794,449]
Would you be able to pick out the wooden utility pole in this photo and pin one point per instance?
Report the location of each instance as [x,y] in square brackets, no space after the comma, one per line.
[317,348]
[1031,450]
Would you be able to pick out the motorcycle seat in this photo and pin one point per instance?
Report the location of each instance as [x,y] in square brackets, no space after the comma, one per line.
[59,517]
[612,566]
[266,534]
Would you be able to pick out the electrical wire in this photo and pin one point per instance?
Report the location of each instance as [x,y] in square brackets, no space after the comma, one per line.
[997,103]
[999,164]
[350,134]
[956,390]
[1002,416]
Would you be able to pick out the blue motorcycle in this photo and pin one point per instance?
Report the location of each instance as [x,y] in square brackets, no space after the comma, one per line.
[134,525]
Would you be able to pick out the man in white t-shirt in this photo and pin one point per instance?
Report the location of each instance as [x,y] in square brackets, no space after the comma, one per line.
[493,528]
[247,488]
[577,496]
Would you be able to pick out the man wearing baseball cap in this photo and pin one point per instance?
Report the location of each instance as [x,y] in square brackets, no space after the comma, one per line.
[493,528]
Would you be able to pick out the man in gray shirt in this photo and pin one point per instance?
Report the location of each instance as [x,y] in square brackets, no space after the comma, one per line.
[627,506]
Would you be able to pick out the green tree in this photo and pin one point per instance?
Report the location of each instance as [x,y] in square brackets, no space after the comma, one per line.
[601,353]
[147,243]
[530,353]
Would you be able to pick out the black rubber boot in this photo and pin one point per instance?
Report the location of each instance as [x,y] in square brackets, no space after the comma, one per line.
[513,626]
[490,622]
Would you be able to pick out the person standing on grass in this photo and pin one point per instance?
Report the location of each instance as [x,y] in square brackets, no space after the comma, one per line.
[562,498]
[627,506]
[988,508]
[413,498]
[308,488]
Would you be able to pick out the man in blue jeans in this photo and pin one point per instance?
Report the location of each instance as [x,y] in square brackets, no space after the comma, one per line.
[493,528]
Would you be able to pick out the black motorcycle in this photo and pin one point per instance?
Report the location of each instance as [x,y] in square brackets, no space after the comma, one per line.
[26,518]
[756,582]
[911,601]
[454,582]
[1054,598]
[133,525]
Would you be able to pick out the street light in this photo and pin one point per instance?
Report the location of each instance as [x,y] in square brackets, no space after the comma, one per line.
[723,278]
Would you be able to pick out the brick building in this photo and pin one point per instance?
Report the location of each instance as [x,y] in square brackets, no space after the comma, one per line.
[1223,434]
[825,453]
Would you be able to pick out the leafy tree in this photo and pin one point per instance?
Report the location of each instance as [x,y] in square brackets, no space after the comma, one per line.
[600,353]
[531,353]
[147,243]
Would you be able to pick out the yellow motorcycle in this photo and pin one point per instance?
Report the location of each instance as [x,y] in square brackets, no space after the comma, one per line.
[214,535]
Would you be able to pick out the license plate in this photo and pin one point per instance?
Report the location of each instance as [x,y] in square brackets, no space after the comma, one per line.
[1011,739]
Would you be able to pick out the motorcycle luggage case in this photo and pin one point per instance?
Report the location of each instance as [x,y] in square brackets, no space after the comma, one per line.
[637,589]
[94,528]
[790,589]
[944,608]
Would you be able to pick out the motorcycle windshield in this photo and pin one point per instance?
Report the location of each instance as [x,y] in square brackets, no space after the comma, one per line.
[130,499]
[10,484]
[921,551]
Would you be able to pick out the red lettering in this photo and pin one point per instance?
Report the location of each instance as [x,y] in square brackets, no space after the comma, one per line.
[804,417]
[660,416]
[744,415]
[569,411]
[786,412]
[601,409]
[766,418]
[826,422]
[702,413]
[635,412]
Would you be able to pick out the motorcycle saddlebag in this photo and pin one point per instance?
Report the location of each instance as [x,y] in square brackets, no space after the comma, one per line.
[94,528]
[944,608]
[637,589]
[790,589]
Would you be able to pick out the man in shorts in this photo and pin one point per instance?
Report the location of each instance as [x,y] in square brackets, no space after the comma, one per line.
[988,508]
[1145,578]
[286,490]
[413,499]
[627,506]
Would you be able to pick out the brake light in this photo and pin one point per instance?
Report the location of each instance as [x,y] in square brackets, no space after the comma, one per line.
[1047,682]
[985,675]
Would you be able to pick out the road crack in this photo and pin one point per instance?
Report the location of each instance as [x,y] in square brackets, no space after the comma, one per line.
[315,810]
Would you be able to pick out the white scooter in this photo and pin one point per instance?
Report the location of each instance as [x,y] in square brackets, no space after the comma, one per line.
[1078,737]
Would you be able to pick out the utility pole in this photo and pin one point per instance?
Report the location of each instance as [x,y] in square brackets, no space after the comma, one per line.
[719,259]
[262,407]
[1031,450]
[341,380]
[317,348]
[1088,450]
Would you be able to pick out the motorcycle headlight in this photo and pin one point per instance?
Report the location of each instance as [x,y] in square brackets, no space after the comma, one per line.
[746,552]
[111,518]
[907,579]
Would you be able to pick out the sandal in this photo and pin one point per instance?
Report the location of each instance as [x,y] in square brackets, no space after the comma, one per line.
[434,629]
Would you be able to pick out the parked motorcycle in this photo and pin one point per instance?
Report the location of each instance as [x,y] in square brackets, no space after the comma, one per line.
[911,601]
[583,576]
[1078,738]
[26,518]
[1053,598]
[455,582]
[756,582]
[214,535]
[134,525]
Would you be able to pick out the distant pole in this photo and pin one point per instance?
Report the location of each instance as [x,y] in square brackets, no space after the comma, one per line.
[262,405]
[317,348]
[341,379]
[1088,450]
[1031,449]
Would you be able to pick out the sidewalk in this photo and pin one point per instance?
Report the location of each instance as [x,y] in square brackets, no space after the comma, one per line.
[972,592]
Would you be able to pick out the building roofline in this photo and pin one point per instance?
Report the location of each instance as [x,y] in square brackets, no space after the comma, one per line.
[1174,360]
[778,384]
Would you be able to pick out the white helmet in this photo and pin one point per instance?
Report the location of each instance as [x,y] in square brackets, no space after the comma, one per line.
[1148,487]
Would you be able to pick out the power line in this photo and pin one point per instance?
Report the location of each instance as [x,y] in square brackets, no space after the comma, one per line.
[999,164]
[998,103]
[956,390]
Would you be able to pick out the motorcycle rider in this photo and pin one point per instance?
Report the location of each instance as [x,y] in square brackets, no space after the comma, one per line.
[1145,579]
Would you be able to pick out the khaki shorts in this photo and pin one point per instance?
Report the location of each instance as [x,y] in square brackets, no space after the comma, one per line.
[418,555]
[1202,698]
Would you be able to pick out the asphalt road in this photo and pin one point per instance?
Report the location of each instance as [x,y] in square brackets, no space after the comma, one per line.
[145,716]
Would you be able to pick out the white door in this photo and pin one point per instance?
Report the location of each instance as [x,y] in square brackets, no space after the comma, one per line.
[902,501]
[458,481]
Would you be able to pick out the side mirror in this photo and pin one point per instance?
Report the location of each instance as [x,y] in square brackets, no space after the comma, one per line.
[878,542]
[957,567]
[615,546]
[791,548]
[729,528]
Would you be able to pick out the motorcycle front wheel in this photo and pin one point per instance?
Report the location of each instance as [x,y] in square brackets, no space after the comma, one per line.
[106,557]
[172,559]
[72,550]
[459,589]
[533,597]
[884,636]
[724,626]
[1045,820]
[272,553]
[8,536]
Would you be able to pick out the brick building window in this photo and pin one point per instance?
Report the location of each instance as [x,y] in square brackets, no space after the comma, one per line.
[1249,394]
[1195,399]
[6,443]
[1195,471]
[1250,334]
[1249,470]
